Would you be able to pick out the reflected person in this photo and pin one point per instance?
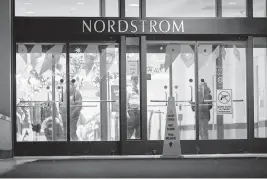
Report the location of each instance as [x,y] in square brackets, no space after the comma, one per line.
[205,105]
[133,108]
[75,109]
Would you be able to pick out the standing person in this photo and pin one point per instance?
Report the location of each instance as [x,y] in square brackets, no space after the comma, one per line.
[75,109]
[133,108]
[205,105]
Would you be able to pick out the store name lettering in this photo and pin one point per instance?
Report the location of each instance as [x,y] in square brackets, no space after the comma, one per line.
[133,26]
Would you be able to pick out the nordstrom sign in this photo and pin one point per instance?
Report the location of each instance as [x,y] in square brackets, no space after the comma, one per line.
[132,26]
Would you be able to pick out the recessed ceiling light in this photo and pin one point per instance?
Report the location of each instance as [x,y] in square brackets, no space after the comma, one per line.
[134,5]
[80,3]
[232,3]
[30,12]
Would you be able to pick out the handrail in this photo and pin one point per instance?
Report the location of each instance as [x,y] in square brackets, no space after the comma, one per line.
[164,101]
[61,101]
[62,105]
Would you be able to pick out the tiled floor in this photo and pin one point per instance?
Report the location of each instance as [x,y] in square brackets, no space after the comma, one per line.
[142,168]
[7,165]
[86,166]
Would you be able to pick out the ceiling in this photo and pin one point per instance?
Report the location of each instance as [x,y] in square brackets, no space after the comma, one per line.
[155,8]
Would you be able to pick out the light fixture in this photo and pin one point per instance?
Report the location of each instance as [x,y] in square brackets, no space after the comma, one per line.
[80,3]
[232,3]
[134,5]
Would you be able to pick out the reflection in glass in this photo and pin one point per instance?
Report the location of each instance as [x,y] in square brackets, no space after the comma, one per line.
[57,8]
[236,8]
[260,87]
[112,8]
[94,92]
[205,106]
[259,8]
[132,8]
[158,89]
[40,78]
[222,66]
[133,88]
[180,8]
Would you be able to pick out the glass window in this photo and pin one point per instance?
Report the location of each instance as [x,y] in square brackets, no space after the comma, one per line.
[112,8]
[222,91]
[133,87]
[60,8]
[260,86]
[234,8]
[132,8]
[94,92]
[259,8]
[40,80]
[158,88]
[180,8]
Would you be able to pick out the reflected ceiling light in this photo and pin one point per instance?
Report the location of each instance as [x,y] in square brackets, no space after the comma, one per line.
[30,12]
[27,3]
[73,9]
[134,5]
[80,3]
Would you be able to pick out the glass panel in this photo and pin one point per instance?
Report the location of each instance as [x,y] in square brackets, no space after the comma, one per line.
[112,8]
[260,86]
[132,8]
[40,81]
[94,92]
[158,87]
[222,91]
[259,8]
[234,8]
[180,8]
[57,8]
[133,87]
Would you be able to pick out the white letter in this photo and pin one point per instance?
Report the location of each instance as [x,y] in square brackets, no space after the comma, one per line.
[153,23]
[96,25]
[125,24]
[178,29]
[160,27]
[133,25]
[143,25]
[110,26]
[87,27]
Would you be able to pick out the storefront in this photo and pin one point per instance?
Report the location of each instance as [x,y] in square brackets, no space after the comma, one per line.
[98,84]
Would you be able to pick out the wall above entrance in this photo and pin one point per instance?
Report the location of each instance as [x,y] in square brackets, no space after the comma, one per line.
[67,27]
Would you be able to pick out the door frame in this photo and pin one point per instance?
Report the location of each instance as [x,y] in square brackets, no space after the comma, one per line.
[62,148]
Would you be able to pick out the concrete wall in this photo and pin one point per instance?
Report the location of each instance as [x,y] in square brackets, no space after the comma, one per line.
[5,73]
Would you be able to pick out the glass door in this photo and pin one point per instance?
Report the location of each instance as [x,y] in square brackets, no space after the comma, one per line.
[170,66]
[222,90]
[94,92]
[40,73]
[170,71]
[67,99]
[208,82]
